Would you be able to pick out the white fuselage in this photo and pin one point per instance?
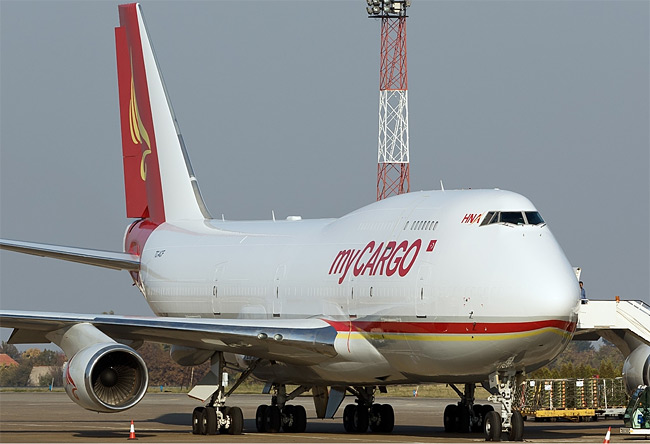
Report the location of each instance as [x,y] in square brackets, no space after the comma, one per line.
[416,287]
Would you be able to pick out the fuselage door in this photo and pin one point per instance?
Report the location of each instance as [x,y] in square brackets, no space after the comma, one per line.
[423,302]
[277,296]
[216,284]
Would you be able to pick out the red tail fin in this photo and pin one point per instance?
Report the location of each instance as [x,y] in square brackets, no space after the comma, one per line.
[160,183]
[141,174]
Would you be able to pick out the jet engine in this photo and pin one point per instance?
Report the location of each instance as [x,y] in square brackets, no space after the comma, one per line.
[636,369]
[106,377]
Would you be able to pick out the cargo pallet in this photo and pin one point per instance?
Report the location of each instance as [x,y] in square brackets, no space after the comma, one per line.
[575,415]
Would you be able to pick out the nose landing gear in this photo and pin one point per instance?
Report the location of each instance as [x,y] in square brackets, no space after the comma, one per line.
[510,421]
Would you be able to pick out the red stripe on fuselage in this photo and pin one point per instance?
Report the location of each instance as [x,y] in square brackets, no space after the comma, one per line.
[450,327]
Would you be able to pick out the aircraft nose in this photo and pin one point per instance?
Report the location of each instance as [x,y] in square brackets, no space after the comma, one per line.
[554,287]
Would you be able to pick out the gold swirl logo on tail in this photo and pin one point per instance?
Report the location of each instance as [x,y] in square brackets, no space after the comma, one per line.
[138,131]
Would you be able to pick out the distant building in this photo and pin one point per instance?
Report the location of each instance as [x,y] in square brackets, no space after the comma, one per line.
[7,361]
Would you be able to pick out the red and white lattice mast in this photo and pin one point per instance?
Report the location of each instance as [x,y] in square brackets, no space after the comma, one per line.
[393,153]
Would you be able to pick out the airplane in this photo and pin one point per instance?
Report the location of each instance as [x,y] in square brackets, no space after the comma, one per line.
[465,287]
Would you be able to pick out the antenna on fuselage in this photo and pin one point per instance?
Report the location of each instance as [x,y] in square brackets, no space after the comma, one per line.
[442,187]
[273,215]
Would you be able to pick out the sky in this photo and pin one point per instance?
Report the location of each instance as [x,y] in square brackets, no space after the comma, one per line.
[277,102]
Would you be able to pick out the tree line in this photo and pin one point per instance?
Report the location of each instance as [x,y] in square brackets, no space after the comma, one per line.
[580,360]
[162,369]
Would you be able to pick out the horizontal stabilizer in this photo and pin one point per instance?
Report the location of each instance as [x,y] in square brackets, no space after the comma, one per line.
[99,258]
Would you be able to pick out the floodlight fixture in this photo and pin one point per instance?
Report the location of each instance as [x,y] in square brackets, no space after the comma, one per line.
[387,8]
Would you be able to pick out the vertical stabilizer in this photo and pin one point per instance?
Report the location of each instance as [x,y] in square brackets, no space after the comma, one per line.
[158,178]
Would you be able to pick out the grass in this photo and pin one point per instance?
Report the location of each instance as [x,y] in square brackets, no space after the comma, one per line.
[440,391]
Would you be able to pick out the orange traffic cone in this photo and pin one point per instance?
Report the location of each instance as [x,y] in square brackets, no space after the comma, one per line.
[609,432]
[132,432]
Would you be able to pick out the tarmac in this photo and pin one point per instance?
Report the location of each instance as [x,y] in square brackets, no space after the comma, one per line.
[166,417]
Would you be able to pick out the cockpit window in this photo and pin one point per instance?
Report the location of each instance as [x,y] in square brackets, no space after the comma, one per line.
[513,217]
[534,218]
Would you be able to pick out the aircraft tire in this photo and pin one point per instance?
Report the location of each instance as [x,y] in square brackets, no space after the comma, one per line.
[224,411]
[492,426]
[464,419]
[361,419]
[273,419]
[348,418]
[260,418]
[387,418]
[289,412]
[299,419]
[236,421]
[375,420]
[196,420]
[450,418]
[209,421]
[516,427]
[479,412]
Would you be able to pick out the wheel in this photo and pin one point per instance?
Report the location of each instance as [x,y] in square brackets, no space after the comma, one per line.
[209,421]
[196,420]
[348,418]
[450,418]
[236,421]
[260,418]
[387,418]
[492,426]
[273,419]
[361,418]
[479,416]
[464,419]
[225,411]
[288,419]
[299,419]
[375,419]
[516,427]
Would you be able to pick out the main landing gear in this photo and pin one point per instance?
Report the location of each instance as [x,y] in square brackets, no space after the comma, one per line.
[357,418]
[280,415]
[465,417]
[215,417]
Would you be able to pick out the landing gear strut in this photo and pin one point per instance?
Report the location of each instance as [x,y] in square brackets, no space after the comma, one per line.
[357,418]
[280,415]
[215,417]
[465,416]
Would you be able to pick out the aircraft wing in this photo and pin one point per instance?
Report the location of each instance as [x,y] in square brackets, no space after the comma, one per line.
[106,259]
[296,341]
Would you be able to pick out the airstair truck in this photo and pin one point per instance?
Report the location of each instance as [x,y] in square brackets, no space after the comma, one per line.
[637,414]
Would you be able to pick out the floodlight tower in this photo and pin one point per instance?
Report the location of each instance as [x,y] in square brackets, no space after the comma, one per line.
[393,142]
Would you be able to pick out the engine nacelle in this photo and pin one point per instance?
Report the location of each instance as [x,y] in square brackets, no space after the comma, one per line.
[636,369]
[106,377]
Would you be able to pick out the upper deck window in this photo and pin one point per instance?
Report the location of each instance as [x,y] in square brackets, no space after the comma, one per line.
[513,217]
